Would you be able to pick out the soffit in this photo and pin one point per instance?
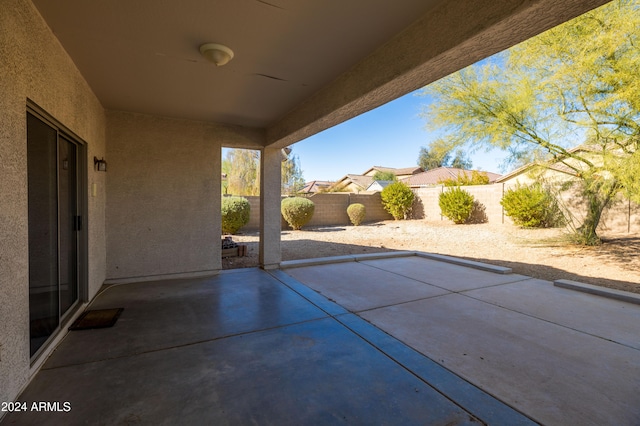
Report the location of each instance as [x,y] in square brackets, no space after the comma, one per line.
[142,56]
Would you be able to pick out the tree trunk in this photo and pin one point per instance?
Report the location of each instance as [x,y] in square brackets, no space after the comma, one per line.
[598,199]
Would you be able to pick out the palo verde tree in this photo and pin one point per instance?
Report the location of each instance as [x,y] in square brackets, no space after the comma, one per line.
[575,84]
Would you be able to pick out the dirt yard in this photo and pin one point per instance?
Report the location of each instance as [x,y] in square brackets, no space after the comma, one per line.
[539,253]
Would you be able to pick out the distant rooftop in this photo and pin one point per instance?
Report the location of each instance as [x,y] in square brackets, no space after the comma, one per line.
[436,176]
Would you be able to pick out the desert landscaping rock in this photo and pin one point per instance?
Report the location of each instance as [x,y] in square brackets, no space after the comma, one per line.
[538,253]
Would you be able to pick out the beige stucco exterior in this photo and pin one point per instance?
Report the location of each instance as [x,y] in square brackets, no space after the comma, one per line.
[164,186]
[155,213]
[39,70]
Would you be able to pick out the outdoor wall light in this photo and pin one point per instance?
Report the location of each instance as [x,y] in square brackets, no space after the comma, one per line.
[99,165]
[285,153]
[216,53]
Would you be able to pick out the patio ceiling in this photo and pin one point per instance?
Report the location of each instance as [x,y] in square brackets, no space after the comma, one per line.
[299,66]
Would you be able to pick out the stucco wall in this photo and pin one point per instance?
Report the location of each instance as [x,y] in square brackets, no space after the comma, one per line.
[330,209]
[621,217]
[34,66]
[163,210]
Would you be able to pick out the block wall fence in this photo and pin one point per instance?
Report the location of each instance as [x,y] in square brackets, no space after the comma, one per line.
[331,208]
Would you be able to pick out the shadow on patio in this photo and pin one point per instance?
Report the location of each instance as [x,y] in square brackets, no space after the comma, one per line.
[395,340]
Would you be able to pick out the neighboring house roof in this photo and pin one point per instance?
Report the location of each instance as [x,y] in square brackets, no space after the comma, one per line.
[557,166]
[361,182]
[379,185]
[528,167]
[406,171]
[315,186]
[436,176]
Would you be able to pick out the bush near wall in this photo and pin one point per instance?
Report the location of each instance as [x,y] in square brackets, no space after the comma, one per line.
[456,204]
[356,213]
[532,206]
[235,214]
[297,211]
[397,199]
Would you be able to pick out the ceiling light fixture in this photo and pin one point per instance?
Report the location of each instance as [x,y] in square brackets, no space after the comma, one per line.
[216,53]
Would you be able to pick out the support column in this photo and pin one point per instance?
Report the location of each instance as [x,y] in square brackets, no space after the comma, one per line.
[217,207]
[270,217]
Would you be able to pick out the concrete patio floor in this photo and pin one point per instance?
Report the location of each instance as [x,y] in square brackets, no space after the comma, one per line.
[379,340]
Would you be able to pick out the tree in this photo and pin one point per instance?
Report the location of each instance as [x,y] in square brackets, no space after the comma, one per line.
[292,179]
[439,155]
[576,83]
[386,176]
[242,170]
[461,161]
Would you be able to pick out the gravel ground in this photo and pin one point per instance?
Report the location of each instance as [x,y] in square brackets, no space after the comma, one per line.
[539,253]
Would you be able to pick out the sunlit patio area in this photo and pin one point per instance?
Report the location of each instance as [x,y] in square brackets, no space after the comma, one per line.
[400,338]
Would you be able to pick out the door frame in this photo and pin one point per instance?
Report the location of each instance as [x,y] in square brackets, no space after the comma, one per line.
[82,209]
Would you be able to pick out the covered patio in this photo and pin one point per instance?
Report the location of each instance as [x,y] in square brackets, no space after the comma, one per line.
[112,126]
[406,338]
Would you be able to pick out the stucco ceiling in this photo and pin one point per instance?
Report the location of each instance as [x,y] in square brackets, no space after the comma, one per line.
[143,55]
[300,66]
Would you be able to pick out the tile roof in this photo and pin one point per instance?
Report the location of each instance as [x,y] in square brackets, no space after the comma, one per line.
[436,176]
[315,186]
[363,181]
[398,172]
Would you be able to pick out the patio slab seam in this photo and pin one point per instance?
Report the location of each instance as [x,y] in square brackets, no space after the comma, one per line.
[476,401]
[463,293]
[183,345]
[518,278]
[326,305]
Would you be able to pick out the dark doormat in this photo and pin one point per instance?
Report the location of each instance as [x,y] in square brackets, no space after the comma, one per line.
[97,318]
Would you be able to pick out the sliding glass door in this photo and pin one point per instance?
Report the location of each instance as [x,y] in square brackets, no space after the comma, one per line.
[55,224]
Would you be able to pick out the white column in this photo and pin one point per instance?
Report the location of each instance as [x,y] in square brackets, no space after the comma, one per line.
[270,217]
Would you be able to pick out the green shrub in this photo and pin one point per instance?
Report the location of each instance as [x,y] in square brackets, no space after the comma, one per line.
[456,204]
[297,211]
[476,178]
[397,199]
[532,206]
[356,213]
[235,214]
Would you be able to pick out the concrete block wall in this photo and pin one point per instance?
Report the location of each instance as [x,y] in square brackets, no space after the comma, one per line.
[488,196]
[622,217]
[373,205]
[426,204]
[331,209]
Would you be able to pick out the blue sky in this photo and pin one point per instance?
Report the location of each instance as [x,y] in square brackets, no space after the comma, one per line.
[390,136]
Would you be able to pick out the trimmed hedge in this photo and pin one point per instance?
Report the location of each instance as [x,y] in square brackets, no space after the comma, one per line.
[356,213]
[397,199]
[297,211]
[456,204]
[235,214]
